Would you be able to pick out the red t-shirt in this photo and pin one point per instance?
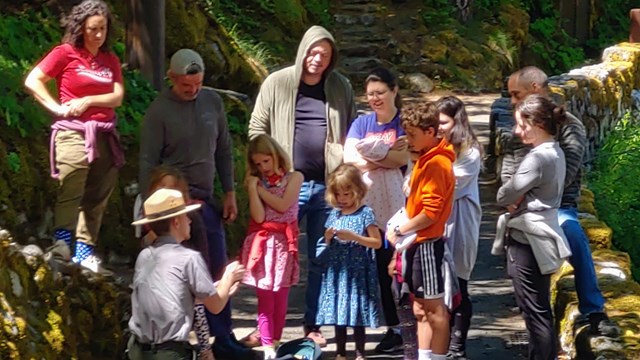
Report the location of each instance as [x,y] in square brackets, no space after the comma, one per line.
[78,74]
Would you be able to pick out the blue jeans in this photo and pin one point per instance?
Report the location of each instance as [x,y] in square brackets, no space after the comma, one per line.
[590,298]
[219,324]
[312,205]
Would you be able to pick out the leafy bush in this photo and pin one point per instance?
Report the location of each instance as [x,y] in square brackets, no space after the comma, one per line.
[554,50]
[614,181]
[16,58]
[610,25]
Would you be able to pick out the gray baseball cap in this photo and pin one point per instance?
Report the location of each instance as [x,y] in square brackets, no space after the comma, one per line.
[186,62]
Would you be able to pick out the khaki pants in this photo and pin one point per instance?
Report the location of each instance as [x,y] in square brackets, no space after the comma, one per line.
[84,188]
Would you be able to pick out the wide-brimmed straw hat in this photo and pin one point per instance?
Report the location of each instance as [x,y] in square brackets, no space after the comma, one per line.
[164,204]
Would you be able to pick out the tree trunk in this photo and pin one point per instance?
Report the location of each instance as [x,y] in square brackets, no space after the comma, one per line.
[634,31]
[145,39]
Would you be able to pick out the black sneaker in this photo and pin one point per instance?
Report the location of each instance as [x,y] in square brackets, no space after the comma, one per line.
[600,325]
[456,355]
[391,342]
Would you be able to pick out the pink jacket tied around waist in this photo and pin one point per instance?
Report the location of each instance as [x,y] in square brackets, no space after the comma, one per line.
[90,130]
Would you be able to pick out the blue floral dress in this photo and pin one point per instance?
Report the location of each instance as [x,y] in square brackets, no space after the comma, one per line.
[350,294]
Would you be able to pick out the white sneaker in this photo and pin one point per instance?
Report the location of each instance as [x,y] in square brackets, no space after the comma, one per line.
[269,352]
[92,263]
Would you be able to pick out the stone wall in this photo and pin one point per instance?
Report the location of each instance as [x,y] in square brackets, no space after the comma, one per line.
[50,309]
[621,292]
[601,94]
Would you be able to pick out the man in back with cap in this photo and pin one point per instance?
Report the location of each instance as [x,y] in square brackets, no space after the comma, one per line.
[186,127]
[168,278]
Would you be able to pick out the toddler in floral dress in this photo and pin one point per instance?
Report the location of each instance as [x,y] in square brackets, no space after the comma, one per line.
[349,294]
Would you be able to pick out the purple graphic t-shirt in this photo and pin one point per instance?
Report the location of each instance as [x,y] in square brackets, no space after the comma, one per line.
[365,126]
[385,194]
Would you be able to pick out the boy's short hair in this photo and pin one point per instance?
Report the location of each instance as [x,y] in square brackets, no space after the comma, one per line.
[345,178]
[422,115]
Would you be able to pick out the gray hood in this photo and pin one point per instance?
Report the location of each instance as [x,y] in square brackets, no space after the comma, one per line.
[312,36]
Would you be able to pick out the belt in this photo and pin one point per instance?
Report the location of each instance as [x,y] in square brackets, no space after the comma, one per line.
[169,345]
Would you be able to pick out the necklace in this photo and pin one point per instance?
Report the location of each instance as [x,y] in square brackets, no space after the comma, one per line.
[275,180]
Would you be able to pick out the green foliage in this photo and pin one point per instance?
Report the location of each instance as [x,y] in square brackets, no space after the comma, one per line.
[438,13]
[556,51]
[13,160]
[611,24]
[138,95]
[16,57]
[242,26]
[318,12]
[614,181]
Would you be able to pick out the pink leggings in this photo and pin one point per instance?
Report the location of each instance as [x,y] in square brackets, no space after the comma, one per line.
[272,308]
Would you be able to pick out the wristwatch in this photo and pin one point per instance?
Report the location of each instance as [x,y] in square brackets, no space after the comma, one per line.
[396,231]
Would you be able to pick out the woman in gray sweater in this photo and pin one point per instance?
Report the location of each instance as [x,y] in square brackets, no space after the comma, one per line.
[536,246]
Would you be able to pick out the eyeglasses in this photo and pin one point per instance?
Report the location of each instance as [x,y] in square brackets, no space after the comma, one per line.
[377,94]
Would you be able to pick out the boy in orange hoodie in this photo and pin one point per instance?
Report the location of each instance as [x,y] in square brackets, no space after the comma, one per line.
[428,207]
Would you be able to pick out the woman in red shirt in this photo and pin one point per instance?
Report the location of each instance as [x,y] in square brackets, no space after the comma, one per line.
[85,149]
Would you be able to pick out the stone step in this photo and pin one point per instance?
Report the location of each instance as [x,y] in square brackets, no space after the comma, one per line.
[358,50]
[356,1]
[364,19]
[364,34]
[356,9]
[347,41]
[359,64]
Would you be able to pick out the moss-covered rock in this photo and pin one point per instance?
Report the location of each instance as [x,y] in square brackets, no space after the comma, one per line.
[189,26]
[622,294]
[75,316]
[599,233]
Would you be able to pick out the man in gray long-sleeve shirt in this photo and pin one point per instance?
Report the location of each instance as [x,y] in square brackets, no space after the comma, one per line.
[572,139]
[186,127]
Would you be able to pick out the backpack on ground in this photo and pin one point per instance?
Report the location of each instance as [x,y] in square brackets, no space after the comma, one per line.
[303,348]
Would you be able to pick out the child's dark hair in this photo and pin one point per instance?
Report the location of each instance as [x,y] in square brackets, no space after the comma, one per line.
[198,239]
[422,115]
[386,77]
[159,172]
[462,135]
[540,111]
[345,178]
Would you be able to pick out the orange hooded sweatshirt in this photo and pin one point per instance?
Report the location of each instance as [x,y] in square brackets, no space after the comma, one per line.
[432,186]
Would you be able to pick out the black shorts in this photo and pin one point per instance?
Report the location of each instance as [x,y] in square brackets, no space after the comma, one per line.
[423,271]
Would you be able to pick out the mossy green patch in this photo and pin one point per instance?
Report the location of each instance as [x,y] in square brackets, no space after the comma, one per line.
[599,233]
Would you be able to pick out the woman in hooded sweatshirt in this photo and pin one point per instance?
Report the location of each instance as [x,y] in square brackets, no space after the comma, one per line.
[536,246]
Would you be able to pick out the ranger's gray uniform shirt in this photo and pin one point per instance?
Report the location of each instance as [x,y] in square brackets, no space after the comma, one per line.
[167,280]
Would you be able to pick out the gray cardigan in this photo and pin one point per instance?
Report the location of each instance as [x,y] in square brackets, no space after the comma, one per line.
[540,179]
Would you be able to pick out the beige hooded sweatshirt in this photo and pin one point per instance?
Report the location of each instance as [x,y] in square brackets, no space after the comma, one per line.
[275,108]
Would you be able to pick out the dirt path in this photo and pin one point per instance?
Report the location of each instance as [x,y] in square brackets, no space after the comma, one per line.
[496,329]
